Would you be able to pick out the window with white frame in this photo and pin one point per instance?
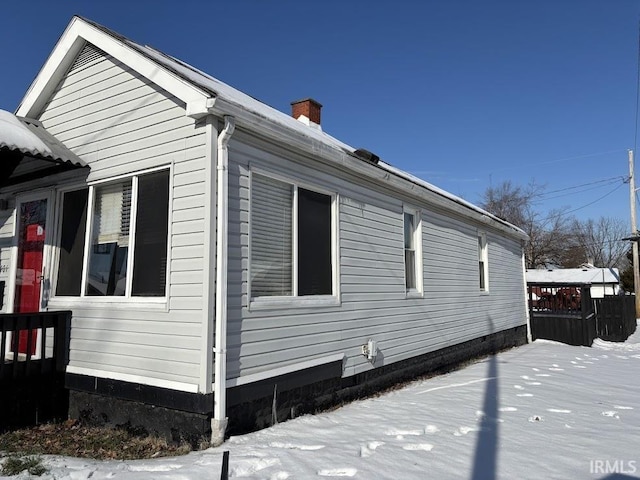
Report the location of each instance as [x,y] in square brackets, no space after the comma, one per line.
[483,264]
[292,244]
[127,241]
[412,251]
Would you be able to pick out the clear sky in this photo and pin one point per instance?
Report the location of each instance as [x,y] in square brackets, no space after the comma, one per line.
[462,93]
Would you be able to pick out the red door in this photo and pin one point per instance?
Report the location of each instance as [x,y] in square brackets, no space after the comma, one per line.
[31,234]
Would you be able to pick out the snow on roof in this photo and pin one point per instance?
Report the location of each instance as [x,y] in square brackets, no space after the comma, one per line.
[574,275]
[14,135]
[30,138]
[246,102]
[249,103]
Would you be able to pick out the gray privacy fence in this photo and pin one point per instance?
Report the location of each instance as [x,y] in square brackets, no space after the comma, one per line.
[567,313]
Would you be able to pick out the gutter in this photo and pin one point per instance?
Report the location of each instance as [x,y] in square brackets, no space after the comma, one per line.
[219,420]
[527,313]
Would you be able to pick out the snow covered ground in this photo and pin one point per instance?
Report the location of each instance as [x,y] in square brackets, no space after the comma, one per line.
[541,411]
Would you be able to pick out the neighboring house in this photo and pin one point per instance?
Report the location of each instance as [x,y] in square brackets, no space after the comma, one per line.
[224,259]
[603,281]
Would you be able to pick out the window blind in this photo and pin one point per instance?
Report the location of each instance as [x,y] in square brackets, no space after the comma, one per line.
[112,214]
[271,232]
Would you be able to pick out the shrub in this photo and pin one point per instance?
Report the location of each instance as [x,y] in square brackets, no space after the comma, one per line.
[14,465]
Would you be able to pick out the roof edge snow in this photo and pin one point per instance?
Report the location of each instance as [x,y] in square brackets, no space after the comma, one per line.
[212,96]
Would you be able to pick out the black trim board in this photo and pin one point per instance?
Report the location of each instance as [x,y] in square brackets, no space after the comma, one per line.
[162,397]
[262,403]
[289,381]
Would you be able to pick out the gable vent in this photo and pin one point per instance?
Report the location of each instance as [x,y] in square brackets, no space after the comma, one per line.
[88,54]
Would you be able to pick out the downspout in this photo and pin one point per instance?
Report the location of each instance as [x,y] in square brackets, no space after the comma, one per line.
[526,294]
[219,420]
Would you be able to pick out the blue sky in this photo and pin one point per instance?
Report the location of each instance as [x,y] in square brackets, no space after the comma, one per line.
[462,93]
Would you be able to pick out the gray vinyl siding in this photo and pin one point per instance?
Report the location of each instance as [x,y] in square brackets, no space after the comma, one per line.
[373,302]
[119,123]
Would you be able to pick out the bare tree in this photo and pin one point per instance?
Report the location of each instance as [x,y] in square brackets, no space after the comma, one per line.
[548,236]
[601,241]
[510,202]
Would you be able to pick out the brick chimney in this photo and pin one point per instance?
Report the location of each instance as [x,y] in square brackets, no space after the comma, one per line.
[307,107]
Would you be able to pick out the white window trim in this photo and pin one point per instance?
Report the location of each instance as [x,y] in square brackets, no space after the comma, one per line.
[109,301]
[417,241]
[483,254]
[273,302]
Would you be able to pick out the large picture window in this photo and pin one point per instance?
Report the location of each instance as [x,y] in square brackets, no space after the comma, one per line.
[127,241]
[291,240]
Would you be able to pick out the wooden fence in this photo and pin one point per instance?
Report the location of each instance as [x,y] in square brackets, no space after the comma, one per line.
[567,313]
[616,317]
[563,313]
[34,352]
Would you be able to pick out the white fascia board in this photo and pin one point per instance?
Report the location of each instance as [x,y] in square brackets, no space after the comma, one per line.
[140,379]
[70,44]
[335,156]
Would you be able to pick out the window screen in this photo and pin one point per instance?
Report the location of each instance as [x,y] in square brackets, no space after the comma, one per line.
[74,219]
[150,253]
[314,243]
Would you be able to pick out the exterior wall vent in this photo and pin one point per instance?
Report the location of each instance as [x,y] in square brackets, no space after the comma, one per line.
[367,156]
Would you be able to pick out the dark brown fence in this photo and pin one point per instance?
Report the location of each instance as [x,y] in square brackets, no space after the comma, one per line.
[52,328]
[567,313]
[616,317]
[564,313]
[34,352]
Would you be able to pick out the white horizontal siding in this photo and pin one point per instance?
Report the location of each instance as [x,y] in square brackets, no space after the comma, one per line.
[6,242]
[120,123]
[373,302]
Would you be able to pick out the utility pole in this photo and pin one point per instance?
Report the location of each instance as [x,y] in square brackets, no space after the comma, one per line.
[634,232]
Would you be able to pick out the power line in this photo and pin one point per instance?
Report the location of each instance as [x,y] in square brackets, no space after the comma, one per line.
[635,133]
[609,182]
[558,215]
[560,160]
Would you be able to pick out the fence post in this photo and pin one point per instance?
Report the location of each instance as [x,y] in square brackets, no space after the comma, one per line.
[224,474]
[586,307]
[61,340]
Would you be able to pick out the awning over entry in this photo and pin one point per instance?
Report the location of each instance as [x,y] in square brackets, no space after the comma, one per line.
[28,151]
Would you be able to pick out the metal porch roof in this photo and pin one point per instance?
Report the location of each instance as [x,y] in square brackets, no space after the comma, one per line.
[28,151]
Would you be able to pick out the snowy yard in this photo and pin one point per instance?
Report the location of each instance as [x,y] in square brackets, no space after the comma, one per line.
[541,411]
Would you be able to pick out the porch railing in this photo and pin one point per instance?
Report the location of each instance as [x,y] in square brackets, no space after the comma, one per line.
[33,344]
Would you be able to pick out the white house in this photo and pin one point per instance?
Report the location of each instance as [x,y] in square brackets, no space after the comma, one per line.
[603,281]
[224,260]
